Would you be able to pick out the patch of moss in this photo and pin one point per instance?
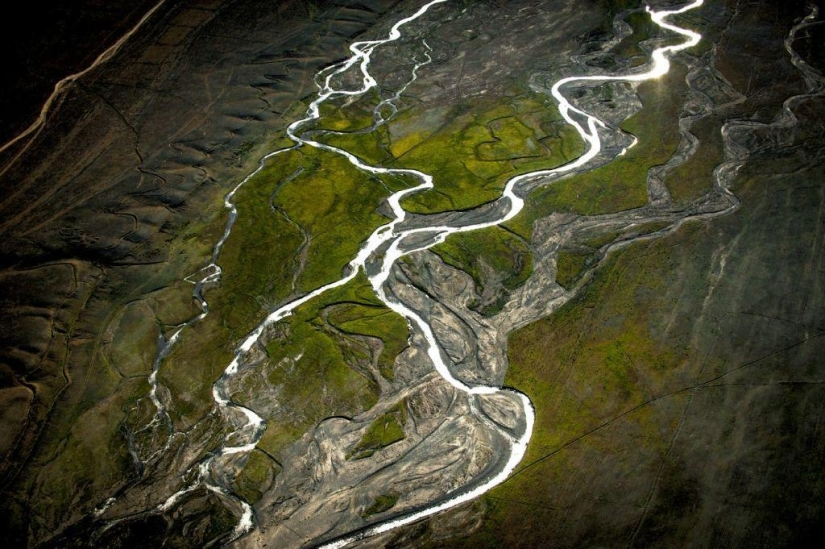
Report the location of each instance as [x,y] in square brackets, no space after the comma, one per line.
[349,117]
[385,430]
[258,471]
[205,518]
[371,148]
[496,248]
[340,215]
[599,357]
[512,139]
[570,266]
[374,321]
[316,372]
[478,148]
[320,368]
[651,227]
[207,344]
[601,240]
[255,277]
[66,481]
[643,28]
[313,238]
[348,122]
[131,350]
[173,305]
[382,503]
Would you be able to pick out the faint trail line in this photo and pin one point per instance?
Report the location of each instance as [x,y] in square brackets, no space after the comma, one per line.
[62,84]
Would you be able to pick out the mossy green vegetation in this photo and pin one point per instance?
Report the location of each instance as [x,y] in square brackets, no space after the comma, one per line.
[98,402]
[210,520]
[374,321]
[603,239]
[471,152]
[173,305]
[339,217]
[570,266]
[65,477]
[132,349]
[339,115]
[320,370]
[259,471]
[369,147]
[349,124]
[312,241]
[648,228]
[643,28]
[491,256]
[477,148]
[385,430]
[304,199]
[382,503]
[313,381]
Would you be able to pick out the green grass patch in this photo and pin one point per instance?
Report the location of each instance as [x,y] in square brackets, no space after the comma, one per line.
[342,115]
[382,503]
[385,430]
[477,148]
[374,321]
[335,203]
[258,472]
[643,28]
[349,119]
[651,227]
[315,383]
[512,139]
[173,305]
[598,357]
[274,208]
[320,368]
[316,377]
[256,277]
[196,361]
[89,459]
[371,148]
[505,256]
[601,240]
[570,266]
